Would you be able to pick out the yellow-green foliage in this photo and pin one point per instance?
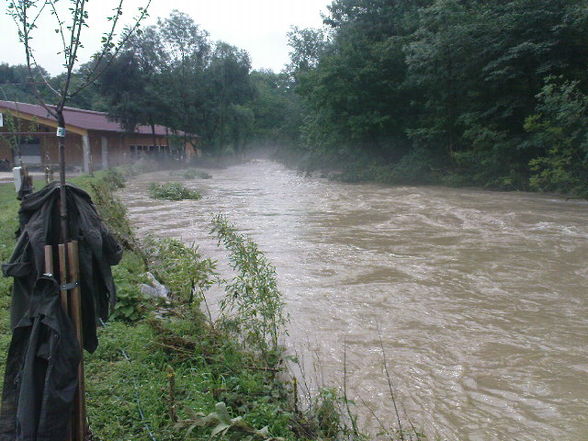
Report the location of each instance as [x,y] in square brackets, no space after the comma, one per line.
[253,305]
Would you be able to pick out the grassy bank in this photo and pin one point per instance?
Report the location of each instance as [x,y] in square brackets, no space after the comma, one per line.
[417,170]
[163,371]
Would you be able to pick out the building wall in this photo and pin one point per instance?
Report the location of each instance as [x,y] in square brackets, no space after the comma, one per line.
[74,156]
[5,151]
[119,146]
[120,149]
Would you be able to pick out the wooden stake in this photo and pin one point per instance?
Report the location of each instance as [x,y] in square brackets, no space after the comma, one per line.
[48,259]
[79,424]
[62,293]
[62,275]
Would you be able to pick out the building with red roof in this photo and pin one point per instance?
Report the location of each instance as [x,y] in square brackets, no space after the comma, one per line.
[93,141]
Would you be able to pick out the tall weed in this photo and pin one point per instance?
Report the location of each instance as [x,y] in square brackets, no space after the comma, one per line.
[252,296]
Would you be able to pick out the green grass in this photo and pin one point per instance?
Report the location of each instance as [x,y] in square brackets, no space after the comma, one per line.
[172,191]
[8,208]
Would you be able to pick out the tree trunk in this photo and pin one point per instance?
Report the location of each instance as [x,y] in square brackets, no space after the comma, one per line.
[62,197]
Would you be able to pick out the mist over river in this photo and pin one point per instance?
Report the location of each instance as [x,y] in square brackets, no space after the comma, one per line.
[480,298]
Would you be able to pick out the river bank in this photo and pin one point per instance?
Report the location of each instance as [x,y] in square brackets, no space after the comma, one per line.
[162,368]
[358,169]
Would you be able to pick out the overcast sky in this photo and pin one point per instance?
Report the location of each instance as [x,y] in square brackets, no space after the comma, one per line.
[258,26]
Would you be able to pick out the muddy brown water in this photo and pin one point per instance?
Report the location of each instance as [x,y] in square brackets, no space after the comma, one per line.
[480,298]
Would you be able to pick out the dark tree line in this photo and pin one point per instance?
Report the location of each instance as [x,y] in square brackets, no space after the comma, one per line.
[491,93]
[173,74]
[481,92]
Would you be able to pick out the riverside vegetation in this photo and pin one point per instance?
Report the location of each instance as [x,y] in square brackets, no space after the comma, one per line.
[453,92]
[172,191]
[164,370]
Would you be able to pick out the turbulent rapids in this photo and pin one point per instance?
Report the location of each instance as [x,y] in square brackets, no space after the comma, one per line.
[480,298]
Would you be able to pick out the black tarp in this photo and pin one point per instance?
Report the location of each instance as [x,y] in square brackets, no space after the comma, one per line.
[39,226]
[41,371]
[98,250]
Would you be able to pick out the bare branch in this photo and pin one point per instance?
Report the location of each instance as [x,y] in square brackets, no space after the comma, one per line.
[345,397]
[32,24]
[383,428]
[28,53]
[60,28]
[40,73]
[109,36]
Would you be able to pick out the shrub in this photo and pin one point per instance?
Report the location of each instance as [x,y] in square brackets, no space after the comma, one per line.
[252,296]
[181,269]
[131,305]
[115,178]
[113,212]
[172,191]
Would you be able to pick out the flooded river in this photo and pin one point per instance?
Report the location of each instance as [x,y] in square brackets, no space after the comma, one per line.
[480,298]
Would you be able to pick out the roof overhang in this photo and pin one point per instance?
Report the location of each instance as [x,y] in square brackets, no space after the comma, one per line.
[44,121]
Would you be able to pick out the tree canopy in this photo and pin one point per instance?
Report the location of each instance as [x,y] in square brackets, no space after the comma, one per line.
[442,89]
[458,92]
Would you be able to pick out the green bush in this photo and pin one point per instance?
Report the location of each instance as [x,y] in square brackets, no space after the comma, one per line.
[115,178]
[172,191]
[560,130]
[131,305]
[181,269]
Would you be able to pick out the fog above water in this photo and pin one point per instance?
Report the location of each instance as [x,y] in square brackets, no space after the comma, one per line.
[480,297]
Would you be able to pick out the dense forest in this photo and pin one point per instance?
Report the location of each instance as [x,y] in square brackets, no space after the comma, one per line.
[491,93]
[464,92]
